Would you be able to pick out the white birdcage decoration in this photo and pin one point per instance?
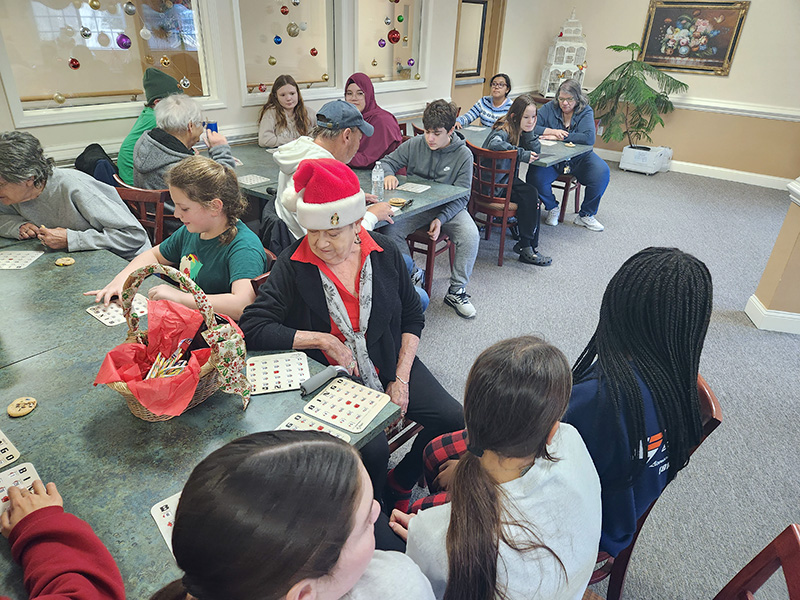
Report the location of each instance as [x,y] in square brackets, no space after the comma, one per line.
[566,58]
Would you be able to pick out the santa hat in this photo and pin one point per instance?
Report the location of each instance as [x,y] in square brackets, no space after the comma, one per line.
[327,194]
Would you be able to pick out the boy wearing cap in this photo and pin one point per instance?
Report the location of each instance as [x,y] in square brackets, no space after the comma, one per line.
[157,85]
[441,155]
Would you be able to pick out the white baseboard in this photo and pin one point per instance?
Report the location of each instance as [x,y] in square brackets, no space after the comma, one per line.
[767,181]
[771,320]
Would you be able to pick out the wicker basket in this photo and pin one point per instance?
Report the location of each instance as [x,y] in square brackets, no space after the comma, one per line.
[209,375]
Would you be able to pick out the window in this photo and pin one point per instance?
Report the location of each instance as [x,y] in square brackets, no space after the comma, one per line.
[469,53]
[389,39]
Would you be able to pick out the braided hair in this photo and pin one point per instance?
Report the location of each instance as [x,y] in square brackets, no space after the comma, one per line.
[653,320]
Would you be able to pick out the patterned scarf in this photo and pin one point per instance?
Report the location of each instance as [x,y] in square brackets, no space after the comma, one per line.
[356,341]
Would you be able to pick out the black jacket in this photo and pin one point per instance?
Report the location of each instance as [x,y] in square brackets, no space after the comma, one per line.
[292,299]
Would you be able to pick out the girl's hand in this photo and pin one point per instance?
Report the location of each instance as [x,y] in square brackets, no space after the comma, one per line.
[399,523]
[390,182]
[534,157]
[168,292]
[445,476]
[24,503]
[458,125]
[111,292]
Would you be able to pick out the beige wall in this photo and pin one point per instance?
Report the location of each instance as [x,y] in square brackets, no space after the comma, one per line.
[763,79]
[779,288]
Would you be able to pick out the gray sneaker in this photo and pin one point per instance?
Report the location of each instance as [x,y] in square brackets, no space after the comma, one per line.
[418,276]
[459,300]
[589,222]
[551,217]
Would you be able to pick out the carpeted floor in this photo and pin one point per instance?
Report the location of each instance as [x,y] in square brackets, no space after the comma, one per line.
[741,488]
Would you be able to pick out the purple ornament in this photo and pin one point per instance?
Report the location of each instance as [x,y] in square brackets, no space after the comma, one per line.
[410,62]
[123,41]
[381,42]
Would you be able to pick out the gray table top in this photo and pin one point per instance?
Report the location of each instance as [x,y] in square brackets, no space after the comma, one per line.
[110,467]
[258,161]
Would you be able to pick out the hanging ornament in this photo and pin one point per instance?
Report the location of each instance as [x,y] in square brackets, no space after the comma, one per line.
[185,83]
[293,29]
[145,33]
[416,75]
[69,31]
[394,36]
[381,43]
[277,39]
[58,98]
[262,87]
[86,33]
[303,25]
[296,2]
[284,10]
[129,8]
[388,21]
[272,60]
[103,39]
[399,18]
[405,39]
[410,62]
[374,62]
[325,77]
[74,63]
[313,52]
[165,61]
[95,4]
[123,41]
[148,59]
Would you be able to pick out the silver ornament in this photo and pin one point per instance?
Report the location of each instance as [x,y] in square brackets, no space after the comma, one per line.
[296,2]
[129,8]
[185,83]
[293,29]
[145,33]
[388,21]
[86,33]
[303,25]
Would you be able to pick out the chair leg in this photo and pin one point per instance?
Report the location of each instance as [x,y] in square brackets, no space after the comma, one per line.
[502,241]
[430,258]
[577,196]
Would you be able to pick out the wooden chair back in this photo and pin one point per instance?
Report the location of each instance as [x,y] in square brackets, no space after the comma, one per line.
[404,129]
[711,417]
[783,551]
[259,281]
[417,130]
[148,208]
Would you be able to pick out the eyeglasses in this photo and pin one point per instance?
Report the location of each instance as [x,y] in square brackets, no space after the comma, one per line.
[566,100]
[498,84]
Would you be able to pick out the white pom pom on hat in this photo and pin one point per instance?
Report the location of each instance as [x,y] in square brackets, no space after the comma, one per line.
[329,194]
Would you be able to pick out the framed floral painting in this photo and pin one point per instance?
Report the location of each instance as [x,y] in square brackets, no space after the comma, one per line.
[694,37]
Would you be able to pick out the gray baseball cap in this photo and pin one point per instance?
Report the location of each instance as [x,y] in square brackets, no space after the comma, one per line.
[339,114]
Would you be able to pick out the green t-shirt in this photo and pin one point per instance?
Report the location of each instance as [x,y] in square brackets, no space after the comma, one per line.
[145,122]
[212,265]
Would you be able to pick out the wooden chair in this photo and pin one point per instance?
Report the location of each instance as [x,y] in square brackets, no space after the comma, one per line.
[420,241]
[711,417]
[259,281]
[399,432]
[404,129]
[148,208]
[488,197]
[568,183]
[783,551]
[417,130]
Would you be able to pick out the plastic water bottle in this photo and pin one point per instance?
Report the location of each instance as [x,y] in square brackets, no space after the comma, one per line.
[377,181]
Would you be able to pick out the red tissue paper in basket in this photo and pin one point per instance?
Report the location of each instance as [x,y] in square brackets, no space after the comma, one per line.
[168,323]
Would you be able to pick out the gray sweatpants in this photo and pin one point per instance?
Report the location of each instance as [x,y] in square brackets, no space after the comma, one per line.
[461,230]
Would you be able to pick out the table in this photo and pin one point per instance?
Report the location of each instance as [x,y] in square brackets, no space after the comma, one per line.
[258,161]
[549,155]
[110,467]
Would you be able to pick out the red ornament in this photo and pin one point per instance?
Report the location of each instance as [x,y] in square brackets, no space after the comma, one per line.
[394,36]
[74,63]
[262,87]
[561,34]
[284,10]
[313,52]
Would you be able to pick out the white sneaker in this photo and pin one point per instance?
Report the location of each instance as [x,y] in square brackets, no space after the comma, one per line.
[552,216]
[589,222]
[459,300]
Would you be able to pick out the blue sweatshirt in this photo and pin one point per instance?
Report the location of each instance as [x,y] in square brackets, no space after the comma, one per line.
[592,414]
[581,128]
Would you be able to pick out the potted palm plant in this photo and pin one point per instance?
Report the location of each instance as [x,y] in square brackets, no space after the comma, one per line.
[629,108]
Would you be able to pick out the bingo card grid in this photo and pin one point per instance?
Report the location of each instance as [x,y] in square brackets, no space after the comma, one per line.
[277,372]
[163,514]
[112,315]
[22,475]
[347,405]
[8,452]
[18,259]
[298,422]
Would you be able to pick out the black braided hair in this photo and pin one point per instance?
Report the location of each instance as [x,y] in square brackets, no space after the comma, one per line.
[654,316]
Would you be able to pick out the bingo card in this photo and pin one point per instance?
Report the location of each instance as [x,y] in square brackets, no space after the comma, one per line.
[21,476]
[164,515]
[252,179]
[413,187]
[277,372]
[112,315]
[305,423]
[347,405]
[18,259]
[8,453]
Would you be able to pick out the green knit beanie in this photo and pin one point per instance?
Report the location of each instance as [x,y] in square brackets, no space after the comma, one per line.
[158,84]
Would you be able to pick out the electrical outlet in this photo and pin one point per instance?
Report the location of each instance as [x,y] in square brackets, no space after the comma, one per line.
[600,130]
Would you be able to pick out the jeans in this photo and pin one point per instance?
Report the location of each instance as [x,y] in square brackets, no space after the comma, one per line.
[462,232]
[589,169]
[526,198]
[423,295]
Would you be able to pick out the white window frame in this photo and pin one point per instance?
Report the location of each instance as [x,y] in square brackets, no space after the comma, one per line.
[209,50]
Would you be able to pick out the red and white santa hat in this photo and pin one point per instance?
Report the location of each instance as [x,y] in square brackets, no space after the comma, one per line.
[327,194]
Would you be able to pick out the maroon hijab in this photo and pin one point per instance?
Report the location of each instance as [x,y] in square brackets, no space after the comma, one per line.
[387,134]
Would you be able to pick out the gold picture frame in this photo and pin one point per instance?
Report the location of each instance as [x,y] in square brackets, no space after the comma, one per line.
[692,37]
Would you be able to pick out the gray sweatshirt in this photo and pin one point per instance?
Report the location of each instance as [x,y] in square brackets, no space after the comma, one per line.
[157,151]
[451,165]
[92,213]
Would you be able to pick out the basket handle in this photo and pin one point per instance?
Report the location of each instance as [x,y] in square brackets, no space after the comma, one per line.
[135,280]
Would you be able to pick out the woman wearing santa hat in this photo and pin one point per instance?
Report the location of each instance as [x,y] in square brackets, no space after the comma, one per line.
[343,295]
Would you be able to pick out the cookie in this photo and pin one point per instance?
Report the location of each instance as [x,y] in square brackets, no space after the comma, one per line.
[569,144]
[397,202]
[21,407]
[65,261]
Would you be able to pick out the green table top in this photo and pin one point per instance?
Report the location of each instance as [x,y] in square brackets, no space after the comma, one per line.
[110,467]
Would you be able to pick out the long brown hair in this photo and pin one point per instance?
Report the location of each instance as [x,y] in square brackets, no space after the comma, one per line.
[301,121]
[516,392]
[510,122]
[203,180]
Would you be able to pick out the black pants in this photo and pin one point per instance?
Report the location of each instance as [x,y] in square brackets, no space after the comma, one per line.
[528,212]
[429,405]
